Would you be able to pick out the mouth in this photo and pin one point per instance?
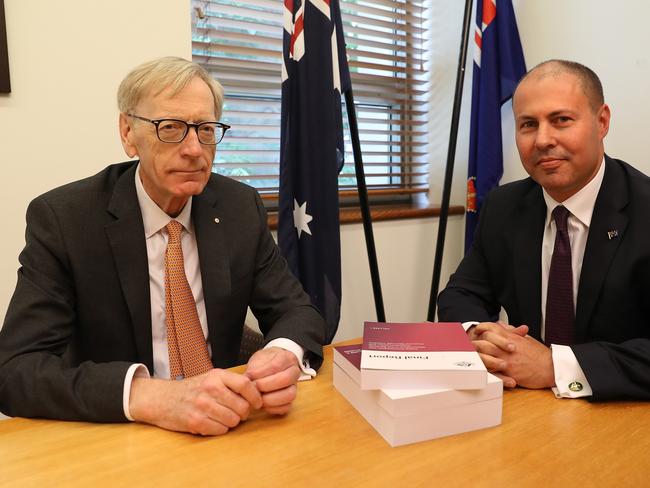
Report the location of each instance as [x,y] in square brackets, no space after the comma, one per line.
[550,163]
[188,171]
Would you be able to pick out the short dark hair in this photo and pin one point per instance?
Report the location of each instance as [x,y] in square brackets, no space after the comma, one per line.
[591,85]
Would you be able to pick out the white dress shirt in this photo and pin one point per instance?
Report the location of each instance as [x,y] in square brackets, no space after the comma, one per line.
[155,220]
[581,207]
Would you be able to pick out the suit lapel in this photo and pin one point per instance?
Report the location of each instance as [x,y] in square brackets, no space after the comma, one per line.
[600,248]
[214,261]
[126,237]
[527,262]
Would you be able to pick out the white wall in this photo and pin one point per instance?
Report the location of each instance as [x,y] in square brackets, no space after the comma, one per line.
[60,124]
[60,121]
[405,253]
[612,40]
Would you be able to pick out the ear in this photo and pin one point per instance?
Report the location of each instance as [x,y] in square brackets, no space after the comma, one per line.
[127,136]
[603,116]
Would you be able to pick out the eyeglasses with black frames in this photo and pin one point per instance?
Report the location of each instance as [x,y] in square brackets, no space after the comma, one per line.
[174,131]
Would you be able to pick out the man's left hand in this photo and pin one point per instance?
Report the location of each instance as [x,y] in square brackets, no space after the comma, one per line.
[530,364]
[275,372]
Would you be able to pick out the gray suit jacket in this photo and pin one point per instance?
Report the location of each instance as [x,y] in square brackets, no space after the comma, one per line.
[503,269]
[81,314]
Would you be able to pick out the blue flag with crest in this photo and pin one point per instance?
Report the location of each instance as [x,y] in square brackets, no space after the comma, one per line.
[498,67]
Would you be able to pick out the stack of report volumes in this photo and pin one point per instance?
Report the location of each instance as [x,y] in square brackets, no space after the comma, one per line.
[419,410]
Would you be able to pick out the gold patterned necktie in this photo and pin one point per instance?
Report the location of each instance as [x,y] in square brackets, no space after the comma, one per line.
[188,351]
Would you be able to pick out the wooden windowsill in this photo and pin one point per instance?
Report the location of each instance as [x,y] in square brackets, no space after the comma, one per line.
[383,212]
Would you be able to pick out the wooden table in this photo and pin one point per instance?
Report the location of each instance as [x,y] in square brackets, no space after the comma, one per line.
[325,442]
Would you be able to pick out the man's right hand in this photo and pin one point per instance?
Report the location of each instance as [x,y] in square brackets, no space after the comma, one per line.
[207,404]
[492,340]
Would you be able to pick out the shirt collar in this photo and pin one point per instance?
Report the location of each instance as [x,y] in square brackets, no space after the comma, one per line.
[581,205]
[153,217]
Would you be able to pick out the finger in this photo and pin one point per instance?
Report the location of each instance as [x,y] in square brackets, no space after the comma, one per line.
[280,397]
[503,342]
[269,361]
[471,332]
[508,382]
[229,400]
[522,330]
[487,326]
[222,414]
[506,325]
[202,424]
[280,410]
[237,393]
[492,363]
[279,380]
[486,347]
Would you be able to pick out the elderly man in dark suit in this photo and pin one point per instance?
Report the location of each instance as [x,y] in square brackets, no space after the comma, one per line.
[565,252]
[134,283]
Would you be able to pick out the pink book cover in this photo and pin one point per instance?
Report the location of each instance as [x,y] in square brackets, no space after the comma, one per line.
[352,353]
[425,346]
[415,337]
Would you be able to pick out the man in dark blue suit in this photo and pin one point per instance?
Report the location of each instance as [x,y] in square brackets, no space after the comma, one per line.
[584,330]
[86,333]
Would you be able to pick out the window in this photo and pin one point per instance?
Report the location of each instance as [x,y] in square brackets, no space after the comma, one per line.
[240,43]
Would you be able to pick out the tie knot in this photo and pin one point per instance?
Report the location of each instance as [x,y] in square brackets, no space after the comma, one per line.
[174,229]
[560,215]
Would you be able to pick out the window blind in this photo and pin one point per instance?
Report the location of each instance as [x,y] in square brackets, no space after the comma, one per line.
[240,44]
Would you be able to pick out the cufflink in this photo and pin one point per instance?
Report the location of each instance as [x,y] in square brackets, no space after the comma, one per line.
[575,386]
[216,220]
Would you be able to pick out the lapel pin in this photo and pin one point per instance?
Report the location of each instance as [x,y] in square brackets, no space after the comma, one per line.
[216,221]
[611,234]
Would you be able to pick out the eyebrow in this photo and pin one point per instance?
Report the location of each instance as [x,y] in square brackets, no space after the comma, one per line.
[554,113]
[562,111]
[195,120]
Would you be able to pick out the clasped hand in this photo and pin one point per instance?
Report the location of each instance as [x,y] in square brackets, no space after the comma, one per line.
[216,401]
[512,355]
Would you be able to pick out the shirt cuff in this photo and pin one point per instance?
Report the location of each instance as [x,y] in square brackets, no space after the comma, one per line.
[468,325]
[570,380]
[287,344]
[137,371]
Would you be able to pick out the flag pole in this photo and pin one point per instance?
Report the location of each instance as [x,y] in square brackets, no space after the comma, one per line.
[451,155]
[365,209]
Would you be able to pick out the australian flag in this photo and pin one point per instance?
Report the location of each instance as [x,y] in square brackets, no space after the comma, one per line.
[314,74]
[498,67]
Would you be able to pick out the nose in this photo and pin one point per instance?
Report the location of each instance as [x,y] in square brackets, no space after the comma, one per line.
[545,136]
[191,145]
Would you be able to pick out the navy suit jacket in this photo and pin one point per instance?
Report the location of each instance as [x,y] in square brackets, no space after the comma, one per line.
[81,313]
[503,269]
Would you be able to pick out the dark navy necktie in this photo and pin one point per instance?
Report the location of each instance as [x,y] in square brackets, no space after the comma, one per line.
[560,316]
